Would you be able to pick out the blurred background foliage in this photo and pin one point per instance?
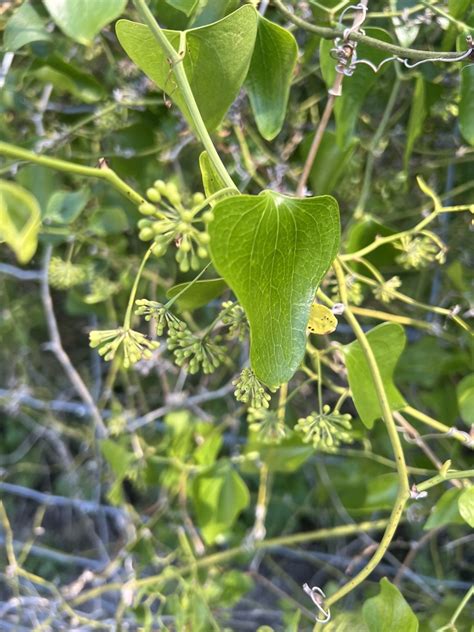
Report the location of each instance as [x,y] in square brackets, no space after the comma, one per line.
[180,474]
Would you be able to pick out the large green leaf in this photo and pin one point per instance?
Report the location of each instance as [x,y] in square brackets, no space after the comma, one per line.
[198,294]
[269,79]
[387,342]
[388,611]
[20,217]
[219,495]
[356,88]
[466,112]
[216,61]
[83,19]
[24,27]
[465,395]
[273,251]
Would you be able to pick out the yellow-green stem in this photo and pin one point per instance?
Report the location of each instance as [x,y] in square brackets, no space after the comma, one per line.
[107,174]
[177,67]
[403,485]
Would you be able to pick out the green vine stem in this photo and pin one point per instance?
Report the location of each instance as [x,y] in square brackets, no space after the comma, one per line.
[224,556]
[459,435]
[403,484]
[131,301]
[102,173]
[441,478]
[390,49]
[176,64]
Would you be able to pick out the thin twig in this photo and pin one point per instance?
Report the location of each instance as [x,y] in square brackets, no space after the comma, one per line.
[56,347]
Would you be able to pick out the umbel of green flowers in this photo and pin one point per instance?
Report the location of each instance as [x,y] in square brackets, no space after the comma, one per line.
[326,430]
[267,425]
[193,350]
[168,221]
[63,275]
[249,390]
[134,345]
[161,316]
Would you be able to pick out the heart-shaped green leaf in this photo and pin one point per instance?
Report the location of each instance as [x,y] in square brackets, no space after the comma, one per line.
[216,60]
[273,251]
[83,19]
[269,79]
[19,220]
[387,342]
[356,88]
[388,611]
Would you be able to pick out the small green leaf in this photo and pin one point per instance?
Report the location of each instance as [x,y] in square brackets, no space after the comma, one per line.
[20,218]
[405,30]
[466,505]
[185,6]
[356,88]
[216,60]
[211,180]
[67,77]
[24,27]
[466,111]
[387,342]
[286,456]
[273,251]
[111,220]
[199,293]
[417,118]
[465,394]
[65,206]
[446,510]
[388,611]
[219,495]
[83,19]
[270,73]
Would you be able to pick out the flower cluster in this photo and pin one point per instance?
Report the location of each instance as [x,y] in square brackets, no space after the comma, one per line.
[159,313]
[355,293]
[195,351]
[168,220]
[267,425]
[134,345]
[385,291]
[418,252]
[233,316]
[326,430]
[63,275]
[100,290]
[250,390]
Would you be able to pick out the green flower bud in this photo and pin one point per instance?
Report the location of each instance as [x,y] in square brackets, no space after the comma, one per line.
[147,209]
[146,234]
[153,195]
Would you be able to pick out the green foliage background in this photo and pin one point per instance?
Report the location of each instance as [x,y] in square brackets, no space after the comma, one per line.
[190,510]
